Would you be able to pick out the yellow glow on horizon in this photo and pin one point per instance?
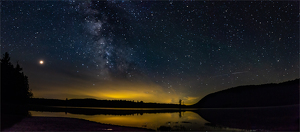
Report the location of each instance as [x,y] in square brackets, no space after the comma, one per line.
[126,94]
[117,90]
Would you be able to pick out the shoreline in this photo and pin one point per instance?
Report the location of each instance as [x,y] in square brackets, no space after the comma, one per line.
[40,123]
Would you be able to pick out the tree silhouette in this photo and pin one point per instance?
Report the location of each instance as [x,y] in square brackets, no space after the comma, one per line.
[14,84]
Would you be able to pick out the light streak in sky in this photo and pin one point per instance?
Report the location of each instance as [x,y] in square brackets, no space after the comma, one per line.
[234,73]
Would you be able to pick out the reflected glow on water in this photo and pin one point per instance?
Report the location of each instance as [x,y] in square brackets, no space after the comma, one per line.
[277,118]
[177,121]
[109,108]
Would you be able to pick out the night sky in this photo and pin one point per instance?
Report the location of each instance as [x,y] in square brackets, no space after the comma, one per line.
[151,51]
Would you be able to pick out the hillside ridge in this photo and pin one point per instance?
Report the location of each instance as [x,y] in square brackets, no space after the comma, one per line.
[272,94]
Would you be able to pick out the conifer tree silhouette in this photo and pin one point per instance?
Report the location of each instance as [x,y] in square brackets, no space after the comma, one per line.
[14,84]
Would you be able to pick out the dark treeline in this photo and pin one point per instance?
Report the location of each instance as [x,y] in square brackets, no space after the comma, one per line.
[101,103]
[286,93]
[15,93]
[101,111]
[14,84]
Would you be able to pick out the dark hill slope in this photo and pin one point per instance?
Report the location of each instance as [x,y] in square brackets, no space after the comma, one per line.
[286,93]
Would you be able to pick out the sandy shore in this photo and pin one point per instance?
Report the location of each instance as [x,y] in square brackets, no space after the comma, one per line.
[65,124]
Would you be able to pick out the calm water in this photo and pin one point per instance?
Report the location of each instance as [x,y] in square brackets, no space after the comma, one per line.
[187,120]
[285,118]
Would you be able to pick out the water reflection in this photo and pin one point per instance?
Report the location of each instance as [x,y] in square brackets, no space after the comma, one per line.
[187,120]
[285,118]
[107,111]
[280,118]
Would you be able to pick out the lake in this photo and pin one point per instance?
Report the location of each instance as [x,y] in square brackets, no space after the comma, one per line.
[264,118]
[176,121]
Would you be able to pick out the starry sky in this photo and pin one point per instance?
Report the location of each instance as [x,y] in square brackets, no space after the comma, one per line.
[151,51]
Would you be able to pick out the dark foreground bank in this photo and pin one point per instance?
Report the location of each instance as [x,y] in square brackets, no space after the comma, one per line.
[65,124]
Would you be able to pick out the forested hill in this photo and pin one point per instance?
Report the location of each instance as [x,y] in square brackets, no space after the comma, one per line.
[286,93]
[100,103]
